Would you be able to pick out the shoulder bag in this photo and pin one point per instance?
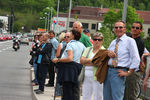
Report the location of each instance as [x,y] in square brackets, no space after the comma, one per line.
[82,73]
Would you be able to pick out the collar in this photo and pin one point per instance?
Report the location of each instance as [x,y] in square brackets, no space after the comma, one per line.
[122,37]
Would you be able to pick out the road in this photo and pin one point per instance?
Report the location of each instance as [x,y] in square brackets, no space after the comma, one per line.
[14,72]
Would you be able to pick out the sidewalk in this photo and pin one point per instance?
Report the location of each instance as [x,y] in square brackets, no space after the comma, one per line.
[48,93]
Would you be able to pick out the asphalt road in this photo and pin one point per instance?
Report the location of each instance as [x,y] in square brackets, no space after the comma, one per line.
[14,72]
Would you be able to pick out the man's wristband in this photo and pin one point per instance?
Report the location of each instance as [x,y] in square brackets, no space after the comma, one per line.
[58,60]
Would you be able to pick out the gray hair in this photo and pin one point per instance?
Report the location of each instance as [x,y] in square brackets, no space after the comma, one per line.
[98,34]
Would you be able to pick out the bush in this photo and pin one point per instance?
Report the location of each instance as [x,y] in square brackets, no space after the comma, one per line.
[147,43]
[108,36]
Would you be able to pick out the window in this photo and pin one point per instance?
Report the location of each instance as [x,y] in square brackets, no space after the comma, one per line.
[77,12]
[93,26]
[85,25]
[149,31]
[71,24]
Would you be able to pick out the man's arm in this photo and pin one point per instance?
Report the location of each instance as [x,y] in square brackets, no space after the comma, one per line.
[145,79]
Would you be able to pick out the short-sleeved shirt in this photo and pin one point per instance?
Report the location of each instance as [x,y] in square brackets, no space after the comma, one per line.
[85,40]
[55,45]
[77,48]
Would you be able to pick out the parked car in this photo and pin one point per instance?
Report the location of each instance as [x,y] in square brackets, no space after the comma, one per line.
[24,40]
[2,38]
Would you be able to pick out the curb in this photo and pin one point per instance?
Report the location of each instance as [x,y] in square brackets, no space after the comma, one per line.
[33,94]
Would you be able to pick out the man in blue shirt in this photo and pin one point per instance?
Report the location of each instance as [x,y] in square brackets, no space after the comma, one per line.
[53,55]
[123,55]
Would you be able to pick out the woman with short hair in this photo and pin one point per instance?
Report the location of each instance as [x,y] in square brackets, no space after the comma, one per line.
[90,84]
[69,67]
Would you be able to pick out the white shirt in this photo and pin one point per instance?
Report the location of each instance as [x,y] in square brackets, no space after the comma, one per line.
[127,52]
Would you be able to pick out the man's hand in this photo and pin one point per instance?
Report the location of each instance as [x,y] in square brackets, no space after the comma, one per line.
[122,73]
[55,60]
[144,85]
[111,54]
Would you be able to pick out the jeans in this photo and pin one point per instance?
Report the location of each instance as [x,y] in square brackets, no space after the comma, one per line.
[58,87]
[114,85]
[35,70]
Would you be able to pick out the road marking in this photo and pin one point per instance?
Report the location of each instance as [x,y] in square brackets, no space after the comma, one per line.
[5,42]
[5,49]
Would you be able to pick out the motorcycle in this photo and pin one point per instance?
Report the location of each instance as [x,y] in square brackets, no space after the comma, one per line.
[16,45]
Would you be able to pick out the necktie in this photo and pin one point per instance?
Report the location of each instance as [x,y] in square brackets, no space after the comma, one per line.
[115,60]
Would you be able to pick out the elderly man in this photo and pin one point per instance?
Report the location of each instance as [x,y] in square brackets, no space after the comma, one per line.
[133,80]
[84,39]
[124,59]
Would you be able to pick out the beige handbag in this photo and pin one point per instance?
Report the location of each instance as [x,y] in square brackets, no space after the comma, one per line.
[82,73]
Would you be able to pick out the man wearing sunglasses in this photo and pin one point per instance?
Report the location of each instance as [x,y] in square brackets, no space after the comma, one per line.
[132,81]
[124,59]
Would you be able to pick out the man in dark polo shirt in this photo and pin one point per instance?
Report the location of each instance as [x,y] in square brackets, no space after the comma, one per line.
[131,88]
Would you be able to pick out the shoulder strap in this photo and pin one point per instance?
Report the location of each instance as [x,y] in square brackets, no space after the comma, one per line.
[88,52]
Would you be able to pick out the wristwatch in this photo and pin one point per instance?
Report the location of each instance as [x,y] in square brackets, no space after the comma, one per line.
[129,72]
[58,60]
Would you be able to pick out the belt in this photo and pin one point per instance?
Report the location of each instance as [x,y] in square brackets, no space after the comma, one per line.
[118,67]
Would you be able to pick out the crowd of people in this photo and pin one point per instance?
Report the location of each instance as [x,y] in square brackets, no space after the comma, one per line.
[110,74]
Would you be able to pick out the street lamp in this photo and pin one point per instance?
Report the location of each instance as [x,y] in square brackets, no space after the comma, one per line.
[45,22]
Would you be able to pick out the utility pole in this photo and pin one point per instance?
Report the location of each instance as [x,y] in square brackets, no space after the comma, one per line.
[124,10]
[69,15]
[57,13]
[51,18]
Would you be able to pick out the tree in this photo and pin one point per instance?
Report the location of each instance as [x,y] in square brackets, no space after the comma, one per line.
[114,15]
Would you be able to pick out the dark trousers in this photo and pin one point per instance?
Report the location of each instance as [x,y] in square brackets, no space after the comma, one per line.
[69,91]
[43,68]
[51,73]
[77,92]
[37,71]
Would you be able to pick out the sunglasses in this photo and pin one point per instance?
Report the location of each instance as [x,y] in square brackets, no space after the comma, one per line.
[97,39]
[66,37]
[137,28]
[120,27]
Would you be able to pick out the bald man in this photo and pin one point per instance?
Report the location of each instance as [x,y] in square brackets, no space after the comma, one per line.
[84,39]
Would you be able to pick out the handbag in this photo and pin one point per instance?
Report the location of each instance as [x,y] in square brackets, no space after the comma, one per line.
[31,61]
[82,73]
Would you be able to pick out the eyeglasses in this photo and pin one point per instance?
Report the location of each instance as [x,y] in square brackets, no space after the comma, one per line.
[137,28]
[97,39]
[120,27]
[66,37]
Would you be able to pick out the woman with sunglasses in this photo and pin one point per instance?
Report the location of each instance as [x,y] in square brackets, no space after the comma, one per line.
[69,67]
[64,38]
[90,84]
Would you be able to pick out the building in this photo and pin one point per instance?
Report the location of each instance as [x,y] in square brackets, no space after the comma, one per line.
[92,17]
[4,20]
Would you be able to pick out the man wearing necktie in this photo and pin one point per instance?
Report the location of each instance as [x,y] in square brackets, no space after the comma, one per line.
[124,59]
